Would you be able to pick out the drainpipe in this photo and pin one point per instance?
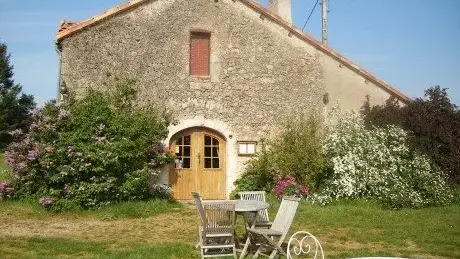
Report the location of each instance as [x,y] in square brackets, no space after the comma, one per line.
[58,50]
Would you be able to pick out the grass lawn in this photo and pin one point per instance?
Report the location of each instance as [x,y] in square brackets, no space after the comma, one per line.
[158,229]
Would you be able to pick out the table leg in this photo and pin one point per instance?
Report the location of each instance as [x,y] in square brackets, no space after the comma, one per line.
[248,238]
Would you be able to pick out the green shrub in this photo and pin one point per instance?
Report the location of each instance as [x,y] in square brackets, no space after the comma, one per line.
[89,152]
[295,151]
[378,163]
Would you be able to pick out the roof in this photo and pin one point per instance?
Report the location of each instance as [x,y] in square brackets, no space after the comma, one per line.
[67,29]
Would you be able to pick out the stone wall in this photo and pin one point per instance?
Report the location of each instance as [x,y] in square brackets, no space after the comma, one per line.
[256,77]
[259,73]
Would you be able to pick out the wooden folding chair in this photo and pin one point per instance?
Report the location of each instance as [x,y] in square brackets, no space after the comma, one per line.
[278,229]
[217,229]
[262,219]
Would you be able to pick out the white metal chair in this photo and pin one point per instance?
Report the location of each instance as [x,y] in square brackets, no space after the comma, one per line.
[262,219]
[216,232]
[302,244]
[278,229]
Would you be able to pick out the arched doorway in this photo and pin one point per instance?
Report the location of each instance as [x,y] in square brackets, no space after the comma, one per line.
[200,164]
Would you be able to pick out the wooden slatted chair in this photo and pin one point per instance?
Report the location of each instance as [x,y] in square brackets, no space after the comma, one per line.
[199,207]
[216,233]
[262,219]
[278,229]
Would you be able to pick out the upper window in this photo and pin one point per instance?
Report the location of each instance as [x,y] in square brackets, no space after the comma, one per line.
[199,53]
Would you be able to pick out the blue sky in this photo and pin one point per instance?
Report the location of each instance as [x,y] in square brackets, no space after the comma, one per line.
[411,44]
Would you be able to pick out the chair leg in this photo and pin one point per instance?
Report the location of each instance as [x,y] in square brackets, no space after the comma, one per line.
[246,246]
[276,247]
[198,244]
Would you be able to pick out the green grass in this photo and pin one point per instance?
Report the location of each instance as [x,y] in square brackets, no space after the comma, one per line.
[4,169]
[367,229]
[159,229]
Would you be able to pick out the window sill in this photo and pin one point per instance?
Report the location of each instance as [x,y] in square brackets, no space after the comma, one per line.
[200,77]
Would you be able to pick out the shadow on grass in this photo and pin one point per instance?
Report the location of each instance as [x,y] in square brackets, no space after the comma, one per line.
[133,209]
[25,248]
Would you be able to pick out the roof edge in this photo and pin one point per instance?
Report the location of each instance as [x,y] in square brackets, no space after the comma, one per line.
[70,30]
[73,28]
[328,51]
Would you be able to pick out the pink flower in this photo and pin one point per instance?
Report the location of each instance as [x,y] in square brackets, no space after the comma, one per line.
[289,186]
[46,201]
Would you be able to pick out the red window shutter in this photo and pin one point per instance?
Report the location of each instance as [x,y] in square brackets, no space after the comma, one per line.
[199,53]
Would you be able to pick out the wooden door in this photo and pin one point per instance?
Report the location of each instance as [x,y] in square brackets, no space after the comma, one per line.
[199,166]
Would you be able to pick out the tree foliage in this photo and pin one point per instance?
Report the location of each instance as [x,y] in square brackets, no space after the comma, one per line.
[15,106]
[434,123]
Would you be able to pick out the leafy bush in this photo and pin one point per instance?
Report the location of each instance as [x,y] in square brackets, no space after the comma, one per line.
[377,163]
[295,151]
[434,123]
[257,176]
[89,152]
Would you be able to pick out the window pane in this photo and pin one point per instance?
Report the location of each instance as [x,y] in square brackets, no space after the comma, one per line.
[179,141]
[186,150]
[207,151]
[180,151]
[215,163]
[215,142]
[186,162]
[207,163]
[207,140]
[215,151]
[187,140]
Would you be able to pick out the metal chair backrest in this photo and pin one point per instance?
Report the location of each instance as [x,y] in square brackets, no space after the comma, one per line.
[285,215]
[256,196]
[302,244]
[199,206]
[220,217]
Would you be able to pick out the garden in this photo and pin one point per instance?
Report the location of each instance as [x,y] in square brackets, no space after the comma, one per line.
[160,229]
[82,182]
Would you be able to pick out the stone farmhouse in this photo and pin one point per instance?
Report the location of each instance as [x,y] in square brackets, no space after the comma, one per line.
[228,70]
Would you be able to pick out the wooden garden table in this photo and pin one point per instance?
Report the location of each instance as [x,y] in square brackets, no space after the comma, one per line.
[249,206]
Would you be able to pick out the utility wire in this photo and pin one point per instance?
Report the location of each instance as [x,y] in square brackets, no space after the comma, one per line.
[312,10]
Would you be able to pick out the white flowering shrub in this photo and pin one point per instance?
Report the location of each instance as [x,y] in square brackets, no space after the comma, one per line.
[377,163]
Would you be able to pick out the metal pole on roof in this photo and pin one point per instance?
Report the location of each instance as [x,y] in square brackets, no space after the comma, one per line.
[324,19]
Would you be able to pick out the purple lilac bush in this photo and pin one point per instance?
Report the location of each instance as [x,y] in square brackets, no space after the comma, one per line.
[89,152]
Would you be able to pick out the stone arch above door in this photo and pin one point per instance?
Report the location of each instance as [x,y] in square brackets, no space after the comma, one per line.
[217,128]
